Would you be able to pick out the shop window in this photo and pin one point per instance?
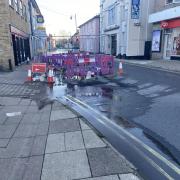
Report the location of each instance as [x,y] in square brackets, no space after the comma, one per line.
[11,3]
[20,8]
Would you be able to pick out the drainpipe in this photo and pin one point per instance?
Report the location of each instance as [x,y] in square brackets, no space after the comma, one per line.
[31,24]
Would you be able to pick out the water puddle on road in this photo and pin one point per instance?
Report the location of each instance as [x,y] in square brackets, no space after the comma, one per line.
[108,100]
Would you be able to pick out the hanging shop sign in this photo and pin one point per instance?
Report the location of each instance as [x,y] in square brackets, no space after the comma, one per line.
[40,19]
[135,9]
[156,41]
[170,24]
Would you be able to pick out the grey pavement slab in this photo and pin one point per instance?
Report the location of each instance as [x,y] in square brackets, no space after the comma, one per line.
[8,101]
[12,169]
[31,118]
[21,168]
[30,130]
[84,126]
[55,143]
[33,168]
[3,143]
[11,109]
[91,140]
[3,117]
[39,145]
[13,120]
[24,147]
[74,141]
[25,102]
[65,125]
[104,161]
[128,177]
[20,147]
[7,131]
[111,177]
[62,114]
[35,109]
[58,106]
[66,166]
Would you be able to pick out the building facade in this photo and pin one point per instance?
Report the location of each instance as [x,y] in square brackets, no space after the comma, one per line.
[37,29]
[16,45]
[124,28]
[166,29]
[14,33]
[90,35]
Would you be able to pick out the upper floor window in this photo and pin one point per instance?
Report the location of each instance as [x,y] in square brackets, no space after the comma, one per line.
[24,12]
[16,5]
[20,8]
[111,15]
[11,3]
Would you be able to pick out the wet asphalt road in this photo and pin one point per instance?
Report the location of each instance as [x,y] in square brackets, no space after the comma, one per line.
[144,101]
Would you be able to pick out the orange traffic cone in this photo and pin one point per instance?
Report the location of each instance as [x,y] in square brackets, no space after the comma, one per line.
[120,69]
[50,77]
[29,79]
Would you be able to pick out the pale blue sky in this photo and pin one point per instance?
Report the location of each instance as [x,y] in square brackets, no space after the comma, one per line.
[57,13]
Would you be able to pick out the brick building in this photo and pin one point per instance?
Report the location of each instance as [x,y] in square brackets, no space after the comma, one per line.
[20,32]
[14,33]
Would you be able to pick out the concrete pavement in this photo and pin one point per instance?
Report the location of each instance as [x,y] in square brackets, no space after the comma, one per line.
[52,142]
[166,65]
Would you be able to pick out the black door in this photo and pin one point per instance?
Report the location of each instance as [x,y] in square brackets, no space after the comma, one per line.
[15,50]
[147,50]
[113,44]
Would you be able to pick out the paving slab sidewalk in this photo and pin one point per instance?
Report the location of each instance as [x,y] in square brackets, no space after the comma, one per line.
[166,65]
[54,143]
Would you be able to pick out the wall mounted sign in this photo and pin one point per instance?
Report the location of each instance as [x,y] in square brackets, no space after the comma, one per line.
[156,41]
[40,19]
[170,24]
[135,9]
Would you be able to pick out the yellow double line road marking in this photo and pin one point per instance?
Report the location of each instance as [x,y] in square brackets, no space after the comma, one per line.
[149,149]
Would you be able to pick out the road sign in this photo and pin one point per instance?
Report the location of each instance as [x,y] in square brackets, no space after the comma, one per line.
[39,67]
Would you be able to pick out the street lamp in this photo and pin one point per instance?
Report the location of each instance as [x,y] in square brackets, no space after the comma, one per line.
[75,21]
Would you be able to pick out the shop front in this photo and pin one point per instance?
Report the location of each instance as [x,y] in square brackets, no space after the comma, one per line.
[21,46]
[171,39]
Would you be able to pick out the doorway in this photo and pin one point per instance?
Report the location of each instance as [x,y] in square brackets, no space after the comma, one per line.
[113,44]
[167,46]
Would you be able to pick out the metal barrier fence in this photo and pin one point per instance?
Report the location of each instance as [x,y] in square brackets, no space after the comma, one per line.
[80,64]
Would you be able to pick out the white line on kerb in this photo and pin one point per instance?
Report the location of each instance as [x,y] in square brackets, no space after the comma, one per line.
[152,151]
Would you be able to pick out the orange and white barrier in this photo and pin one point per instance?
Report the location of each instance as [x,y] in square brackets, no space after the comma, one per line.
[50,76]
[120,69]
[29,79]
[87,60]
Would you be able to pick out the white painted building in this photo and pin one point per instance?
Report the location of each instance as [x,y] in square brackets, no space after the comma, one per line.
[124,27]
[166,30]
[89,35]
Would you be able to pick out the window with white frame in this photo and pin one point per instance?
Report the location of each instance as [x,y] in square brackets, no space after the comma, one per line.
[11,3]
[20,8]
[16,5]
[111,15]
[24,12]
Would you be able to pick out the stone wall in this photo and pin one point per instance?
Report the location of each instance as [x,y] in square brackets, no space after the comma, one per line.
[5,41]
